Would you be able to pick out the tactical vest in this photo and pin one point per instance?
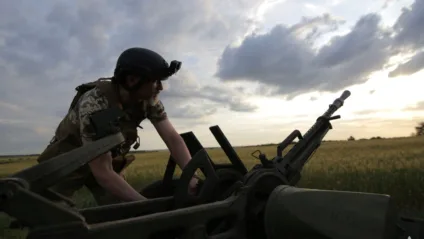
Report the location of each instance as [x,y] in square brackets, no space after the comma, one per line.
[67,136]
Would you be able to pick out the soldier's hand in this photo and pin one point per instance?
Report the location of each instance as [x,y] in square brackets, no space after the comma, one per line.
[193,185]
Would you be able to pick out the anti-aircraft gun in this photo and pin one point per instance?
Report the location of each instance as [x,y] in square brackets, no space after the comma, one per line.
[232,202]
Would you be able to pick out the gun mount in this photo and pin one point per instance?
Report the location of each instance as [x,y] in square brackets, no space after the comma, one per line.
[233,202]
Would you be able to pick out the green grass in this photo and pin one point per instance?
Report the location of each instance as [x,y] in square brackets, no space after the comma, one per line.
[387,166]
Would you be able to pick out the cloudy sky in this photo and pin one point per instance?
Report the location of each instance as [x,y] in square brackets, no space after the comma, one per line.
[259,69]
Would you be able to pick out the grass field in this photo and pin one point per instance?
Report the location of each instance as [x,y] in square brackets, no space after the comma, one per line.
[388,166]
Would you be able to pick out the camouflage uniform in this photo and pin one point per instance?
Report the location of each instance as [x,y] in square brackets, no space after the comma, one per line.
[78,118]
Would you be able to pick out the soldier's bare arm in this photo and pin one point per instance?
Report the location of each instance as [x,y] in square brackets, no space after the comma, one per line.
[176,145]
[102,170]
[172,139]
[101,167]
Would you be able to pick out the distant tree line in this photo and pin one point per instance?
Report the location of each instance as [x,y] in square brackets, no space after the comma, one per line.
[419,131]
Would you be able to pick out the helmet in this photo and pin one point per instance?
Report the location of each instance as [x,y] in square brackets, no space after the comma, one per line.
[145,63]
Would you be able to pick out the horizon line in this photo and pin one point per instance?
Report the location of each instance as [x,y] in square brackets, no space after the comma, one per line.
[234,146]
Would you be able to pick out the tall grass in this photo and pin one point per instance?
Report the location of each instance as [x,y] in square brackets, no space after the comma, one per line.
[386,166]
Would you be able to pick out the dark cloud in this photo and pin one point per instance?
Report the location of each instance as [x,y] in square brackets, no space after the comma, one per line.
[288,64]
[415,64]
[408,27]
[186,98]
[71,42]
[410,38]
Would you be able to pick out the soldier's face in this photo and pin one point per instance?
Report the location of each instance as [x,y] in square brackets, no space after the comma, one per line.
[151,88]
[148,89]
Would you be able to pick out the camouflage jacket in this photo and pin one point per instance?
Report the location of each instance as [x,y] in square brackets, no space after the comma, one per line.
[76,130]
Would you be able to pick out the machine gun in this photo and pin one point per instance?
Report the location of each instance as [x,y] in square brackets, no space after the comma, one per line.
[232,202]
[292,163]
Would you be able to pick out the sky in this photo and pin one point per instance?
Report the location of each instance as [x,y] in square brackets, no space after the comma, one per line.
[258,69]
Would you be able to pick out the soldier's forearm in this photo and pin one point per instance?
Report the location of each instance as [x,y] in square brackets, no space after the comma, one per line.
[179,151]
[103,172]
[117,186]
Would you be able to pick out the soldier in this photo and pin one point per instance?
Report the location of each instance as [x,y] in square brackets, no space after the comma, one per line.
[134,89]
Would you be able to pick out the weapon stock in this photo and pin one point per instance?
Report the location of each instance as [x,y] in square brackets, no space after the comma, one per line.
[233,202]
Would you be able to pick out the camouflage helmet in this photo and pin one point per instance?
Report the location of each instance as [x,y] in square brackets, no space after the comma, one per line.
[147,64]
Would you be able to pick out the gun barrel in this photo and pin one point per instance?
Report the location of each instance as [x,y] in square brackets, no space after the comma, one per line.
[331,109]
[345,95]
[337,103]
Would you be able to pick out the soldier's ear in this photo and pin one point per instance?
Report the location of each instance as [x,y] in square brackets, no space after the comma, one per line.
[132,80]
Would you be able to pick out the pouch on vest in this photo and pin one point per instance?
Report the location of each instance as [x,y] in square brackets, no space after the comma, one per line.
[106,122]
[81,89]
